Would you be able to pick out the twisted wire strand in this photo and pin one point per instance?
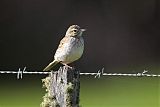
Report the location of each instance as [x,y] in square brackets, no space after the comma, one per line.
[96,75]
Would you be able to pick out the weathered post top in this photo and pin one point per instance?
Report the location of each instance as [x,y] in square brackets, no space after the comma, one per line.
[62,88]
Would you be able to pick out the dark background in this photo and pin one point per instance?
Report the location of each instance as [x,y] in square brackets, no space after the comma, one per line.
[120,33]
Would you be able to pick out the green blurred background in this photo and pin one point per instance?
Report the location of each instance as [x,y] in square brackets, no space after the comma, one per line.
[107,91]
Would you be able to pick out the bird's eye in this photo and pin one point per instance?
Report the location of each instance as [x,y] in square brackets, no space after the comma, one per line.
[74,30]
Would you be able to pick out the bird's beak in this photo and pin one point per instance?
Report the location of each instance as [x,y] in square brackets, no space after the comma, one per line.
[83,30]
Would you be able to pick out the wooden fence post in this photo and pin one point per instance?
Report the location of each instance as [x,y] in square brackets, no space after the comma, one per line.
[62,87]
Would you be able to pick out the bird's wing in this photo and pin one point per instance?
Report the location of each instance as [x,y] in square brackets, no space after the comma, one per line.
[61,50]
[62,42]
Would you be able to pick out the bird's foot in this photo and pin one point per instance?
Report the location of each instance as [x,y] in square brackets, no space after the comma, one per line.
[68,66]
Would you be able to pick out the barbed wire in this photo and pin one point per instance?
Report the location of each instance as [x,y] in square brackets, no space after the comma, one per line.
[96,75]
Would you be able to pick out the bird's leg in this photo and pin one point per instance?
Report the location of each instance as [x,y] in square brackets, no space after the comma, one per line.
[68,66]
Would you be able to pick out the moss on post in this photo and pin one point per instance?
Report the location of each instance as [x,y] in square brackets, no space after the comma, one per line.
[62,88]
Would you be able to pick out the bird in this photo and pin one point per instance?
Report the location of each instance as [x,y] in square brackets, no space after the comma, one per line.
[70,48]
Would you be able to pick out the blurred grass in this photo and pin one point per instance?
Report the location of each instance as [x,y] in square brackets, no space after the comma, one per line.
[120,92]
[108,91]
[27,92]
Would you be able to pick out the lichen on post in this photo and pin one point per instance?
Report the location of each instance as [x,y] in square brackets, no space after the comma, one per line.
[62,88]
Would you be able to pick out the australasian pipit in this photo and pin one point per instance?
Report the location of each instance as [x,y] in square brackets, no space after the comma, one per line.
[70,48]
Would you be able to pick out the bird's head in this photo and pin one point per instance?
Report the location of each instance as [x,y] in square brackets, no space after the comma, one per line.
[74,31]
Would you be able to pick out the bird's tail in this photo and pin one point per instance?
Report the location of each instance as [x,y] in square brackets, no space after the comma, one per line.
[51,65]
